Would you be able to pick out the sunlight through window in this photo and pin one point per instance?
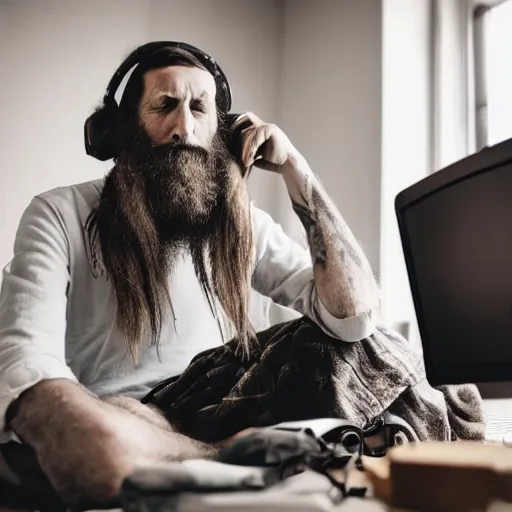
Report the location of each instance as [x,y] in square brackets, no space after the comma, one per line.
[499,72]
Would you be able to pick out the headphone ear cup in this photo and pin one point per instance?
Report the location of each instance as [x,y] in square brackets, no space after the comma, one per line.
[223,98]
[100,132]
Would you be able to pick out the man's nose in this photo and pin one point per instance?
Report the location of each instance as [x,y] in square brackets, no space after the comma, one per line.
[184,127]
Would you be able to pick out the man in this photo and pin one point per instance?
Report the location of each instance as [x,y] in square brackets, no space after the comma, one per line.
[116,284]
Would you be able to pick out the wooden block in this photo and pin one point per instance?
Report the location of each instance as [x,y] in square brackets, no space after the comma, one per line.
[377,470]
[443,476]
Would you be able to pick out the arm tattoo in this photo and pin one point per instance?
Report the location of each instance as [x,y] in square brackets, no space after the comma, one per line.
[343,277]
[315,236]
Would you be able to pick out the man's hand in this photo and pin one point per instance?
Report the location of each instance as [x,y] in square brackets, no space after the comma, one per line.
[343,277]
[266,146]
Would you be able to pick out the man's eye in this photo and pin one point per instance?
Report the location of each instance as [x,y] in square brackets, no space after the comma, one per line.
[197,106]
[169,104]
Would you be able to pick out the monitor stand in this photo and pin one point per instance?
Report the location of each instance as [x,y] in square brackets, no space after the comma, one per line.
[495,389]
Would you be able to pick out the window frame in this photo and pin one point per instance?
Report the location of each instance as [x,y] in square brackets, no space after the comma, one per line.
[481,9]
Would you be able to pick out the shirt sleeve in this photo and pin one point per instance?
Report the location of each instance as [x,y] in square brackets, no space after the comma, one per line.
[284,272]
[33,303]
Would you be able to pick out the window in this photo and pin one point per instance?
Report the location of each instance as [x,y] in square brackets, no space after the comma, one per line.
[493,46]
[498,74]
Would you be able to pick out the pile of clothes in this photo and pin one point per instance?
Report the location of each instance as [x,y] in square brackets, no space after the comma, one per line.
[296,372]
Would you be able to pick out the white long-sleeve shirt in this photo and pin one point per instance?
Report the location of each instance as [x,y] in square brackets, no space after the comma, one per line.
[57,307]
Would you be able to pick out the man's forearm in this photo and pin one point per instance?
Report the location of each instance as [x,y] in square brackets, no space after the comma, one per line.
[87,446]
[343,277]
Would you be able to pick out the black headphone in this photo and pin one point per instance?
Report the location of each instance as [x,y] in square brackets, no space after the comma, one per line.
[100,129]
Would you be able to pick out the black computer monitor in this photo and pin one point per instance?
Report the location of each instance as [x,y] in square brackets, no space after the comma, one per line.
[456,231]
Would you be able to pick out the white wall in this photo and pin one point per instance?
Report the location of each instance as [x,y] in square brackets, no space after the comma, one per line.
[57,58]
[58,55]
[406,139]
[428,120]
[331,106]
[312,66]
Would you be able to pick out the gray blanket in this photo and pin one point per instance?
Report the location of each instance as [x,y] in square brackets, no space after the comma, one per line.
[296,372]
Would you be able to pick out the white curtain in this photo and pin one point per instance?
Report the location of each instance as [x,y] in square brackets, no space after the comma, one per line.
[428,121]
[453,73]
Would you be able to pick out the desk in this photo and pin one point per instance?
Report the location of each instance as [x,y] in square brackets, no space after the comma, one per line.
[305,492]
[498,413]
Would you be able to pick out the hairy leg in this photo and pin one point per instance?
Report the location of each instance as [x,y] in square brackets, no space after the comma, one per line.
[149,413]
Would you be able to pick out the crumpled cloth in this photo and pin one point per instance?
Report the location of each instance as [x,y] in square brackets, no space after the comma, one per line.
[295,371]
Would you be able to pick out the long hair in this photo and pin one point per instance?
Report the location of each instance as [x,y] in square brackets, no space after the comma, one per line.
[138,260]
[232,255]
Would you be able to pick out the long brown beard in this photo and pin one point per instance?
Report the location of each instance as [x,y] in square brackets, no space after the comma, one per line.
[159,201]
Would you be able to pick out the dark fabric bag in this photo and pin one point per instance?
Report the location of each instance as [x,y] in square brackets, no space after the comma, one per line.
[295,372]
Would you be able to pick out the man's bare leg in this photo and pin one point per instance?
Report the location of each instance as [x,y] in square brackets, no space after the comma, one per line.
[147,412]
[87,446]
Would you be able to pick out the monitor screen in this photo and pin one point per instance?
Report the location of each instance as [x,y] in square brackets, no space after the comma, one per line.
[456,233]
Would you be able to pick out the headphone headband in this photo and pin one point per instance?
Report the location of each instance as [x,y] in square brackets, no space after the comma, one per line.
[142,52]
